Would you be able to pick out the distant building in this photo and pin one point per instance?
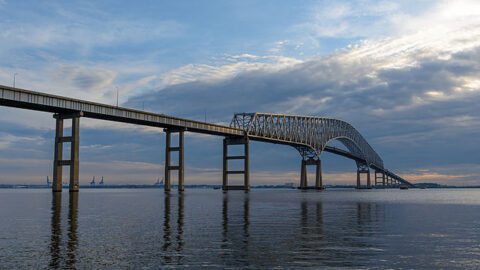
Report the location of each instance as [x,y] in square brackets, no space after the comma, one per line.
[291,185]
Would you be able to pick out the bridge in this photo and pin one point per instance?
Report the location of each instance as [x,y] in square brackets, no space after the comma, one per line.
[309,135]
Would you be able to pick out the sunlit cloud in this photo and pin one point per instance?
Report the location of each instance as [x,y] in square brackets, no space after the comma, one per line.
[212,73]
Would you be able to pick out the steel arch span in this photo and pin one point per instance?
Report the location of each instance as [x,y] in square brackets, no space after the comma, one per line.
[309,134]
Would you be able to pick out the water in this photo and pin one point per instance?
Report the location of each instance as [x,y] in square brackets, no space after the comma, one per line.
[263,229]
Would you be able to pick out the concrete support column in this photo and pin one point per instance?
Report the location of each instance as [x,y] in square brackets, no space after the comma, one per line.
[58,155]
[58,161]
[246,167]
[168,165]
[318,176]
[303,175]
[369,184]
[383,179]
[74,162]
[181,185]
[358,179]
[225,164]
[167,184]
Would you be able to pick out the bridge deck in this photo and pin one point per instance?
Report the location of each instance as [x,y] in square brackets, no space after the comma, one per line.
[26,99]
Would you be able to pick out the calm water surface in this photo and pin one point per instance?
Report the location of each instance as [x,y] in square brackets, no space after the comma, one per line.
[263,229]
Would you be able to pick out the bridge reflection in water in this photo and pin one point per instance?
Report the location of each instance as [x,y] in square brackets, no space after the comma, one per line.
[242,233]
[173,246]
[235,233]
[58,258]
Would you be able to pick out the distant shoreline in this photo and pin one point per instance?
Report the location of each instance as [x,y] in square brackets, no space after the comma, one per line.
[131,186]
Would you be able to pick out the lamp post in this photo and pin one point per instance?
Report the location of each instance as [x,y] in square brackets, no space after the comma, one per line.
[117,96]
[14,77]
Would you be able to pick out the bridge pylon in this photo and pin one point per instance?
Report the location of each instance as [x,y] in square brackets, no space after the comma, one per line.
[379,179]
[58,161]
[168,166]
[389,181]
[318,173]
[363,169]
[246,168]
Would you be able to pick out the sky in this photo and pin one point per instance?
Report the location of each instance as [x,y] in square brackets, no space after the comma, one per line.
[404,73]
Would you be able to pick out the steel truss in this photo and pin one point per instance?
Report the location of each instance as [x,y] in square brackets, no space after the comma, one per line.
[309,135]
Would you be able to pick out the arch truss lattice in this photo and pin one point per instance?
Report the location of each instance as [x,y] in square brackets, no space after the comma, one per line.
[309,134]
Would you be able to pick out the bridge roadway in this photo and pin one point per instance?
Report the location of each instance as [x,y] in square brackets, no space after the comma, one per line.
[69,108]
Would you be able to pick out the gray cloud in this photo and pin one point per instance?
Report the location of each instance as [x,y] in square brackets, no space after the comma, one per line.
[83,77]
[414,115]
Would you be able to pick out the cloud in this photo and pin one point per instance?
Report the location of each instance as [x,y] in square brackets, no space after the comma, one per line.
[84,31]
[95,147]
[458,174]
[241,63]
[356,22]
[8,140]
[325,84]
[69,49]
[411,96]
[85,78]
[348,19]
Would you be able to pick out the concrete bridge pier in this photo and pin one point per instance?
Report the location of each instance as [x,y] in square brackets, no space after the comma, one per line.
[379,179]
[303,175]
[363,170]
[358,180]
[168,166]
[318,173]
[58,161]
[246,169]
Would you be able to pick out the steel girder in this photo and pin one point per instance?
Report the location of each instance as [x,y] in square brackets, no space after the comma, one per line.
[306,133]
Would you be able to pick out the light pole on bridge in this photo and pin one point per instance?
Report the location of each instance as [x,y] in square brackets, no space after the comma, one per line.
[14,77]
[117,95]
